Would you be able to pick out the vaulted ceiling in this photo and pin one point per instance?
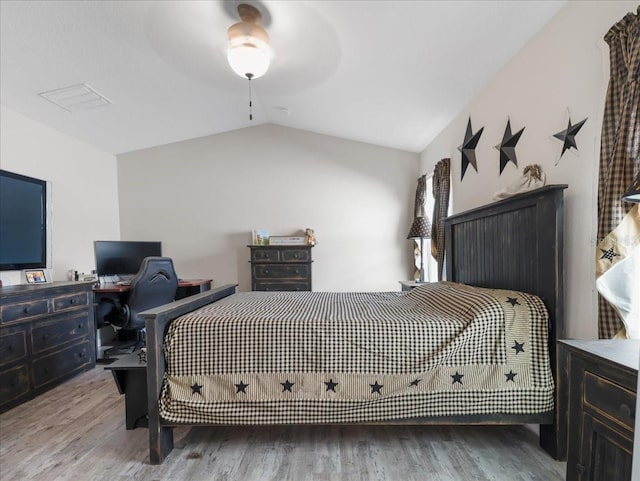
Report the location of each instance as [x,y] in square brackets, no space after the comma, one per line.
[390,73]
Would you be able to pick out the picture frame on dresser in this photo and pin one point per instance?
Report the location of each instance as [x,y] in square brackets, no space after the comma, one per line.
[35,276]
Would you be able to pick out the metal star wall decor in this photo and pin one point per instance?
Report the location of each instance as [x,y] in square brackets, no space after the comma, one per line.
[507,147]
[468,148]
[568,136]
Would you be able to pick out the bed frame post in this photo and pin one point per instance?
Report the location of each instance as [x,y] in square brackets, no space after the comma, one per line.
[157,321]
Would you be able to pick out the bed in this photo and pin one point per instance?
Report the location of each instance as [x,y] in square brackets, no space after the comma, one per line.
[223,357]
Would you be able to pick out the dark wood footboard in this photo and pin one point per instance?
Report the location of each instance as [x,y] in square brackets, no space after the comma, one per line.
[157,322]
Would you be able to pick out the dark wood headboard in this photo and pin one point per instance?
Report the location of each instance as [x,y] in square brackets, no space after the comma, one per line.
[512,244]
[515,243]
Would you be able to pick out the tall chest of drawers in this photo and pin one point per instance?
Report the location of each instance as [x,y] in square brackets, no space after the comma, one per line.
[281,268]
[47,335]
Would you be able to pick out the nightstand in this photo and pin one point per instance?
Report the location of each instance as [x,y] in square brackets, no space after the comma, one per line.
[599,383]
[408,285]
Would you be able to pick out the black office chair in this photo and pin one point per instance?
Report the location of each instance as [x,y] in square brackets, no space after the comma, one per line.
[155,284]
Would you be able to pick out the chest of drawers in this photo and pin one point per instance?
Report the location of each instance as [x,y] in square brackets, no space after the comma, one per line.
[281,268]
[601,380]
[47,335]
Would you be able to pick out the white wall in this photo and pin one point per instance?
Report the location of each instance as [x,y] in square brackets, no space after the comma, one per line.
[203,197]
[83,184]
[565,67]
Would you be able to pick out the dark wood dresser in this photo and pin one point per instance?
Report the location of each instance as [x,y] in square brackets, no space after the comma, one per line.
[601,378]
[47,335]
[281,268]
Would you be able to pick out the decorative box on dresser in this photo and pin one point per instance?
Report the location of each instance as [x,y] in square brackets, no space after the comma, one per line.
[600,382]
[281,268]
[47,335]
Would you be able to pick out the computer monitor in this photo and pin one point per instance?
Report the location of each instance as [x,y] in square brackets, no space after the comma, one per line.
[123,258]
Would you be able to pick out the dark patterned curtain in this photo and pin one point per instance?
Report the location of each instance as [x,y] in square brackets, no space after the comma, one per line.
[421,191]
[441,189]
[620,147]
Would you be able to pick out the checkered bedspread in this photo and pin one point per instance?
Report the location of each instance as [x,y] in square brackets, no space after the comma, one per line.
[322,357]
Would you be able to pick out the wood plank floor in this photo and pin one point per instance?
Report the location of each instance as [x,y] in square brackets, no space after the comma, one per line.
[76,432]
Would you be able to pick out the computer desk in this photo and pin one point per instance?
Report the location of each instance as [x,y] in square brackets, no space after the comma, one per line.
[186,288]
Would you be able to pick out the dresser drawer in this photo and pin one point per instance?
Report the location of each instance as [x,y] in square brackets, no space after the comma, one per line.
[17,312]
[295,255]
[280,271]
[13,346]
[281,286]
[46,335]
[265,255]
[69,302]
[610,400]
[61,363]
[14,383]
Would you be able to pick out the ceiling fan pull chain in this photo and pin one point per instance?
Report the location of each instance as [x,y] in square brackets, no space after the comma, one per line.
[250,105]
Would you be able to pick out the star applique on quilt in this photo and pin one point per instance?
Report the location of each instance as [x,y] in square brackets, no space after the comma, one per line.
[376,388]
[519,347]
[241,387]
[513,301]
[287,385]
[331,386]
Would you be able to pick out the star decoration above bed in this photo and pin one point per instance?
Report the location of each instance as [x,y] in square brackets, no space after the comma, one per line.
[568,136]
[507,147]
[468,148]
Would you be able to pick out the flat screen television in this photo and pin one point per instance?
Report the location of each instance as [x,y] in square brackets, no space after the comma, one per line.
[123,258]
[23,222]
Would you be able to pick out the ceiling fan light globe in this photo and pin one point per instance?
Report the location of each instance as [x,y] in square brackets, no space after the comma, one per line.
[248,58]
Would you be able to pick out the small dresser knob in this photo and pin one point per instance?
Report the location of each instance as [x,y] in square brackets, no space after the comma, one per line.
[625,411]
[295,256]
[26,310]
[266,271]
[72,301]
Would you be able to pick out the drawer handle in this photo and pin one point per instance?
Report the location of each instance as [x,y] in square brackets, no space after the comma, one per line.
[295,256]
[296,271]
[26,310]
[81,354]
[72,301]
[79,326]
[266,271]
[266,256]
[625,411]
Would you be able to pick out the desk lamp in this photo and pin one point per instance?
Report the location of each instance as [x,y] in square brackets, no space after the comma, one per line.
[420,229]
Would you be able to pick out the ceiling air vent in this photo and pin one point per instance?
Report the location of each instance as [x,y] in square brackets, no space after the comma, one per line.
[76,98]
